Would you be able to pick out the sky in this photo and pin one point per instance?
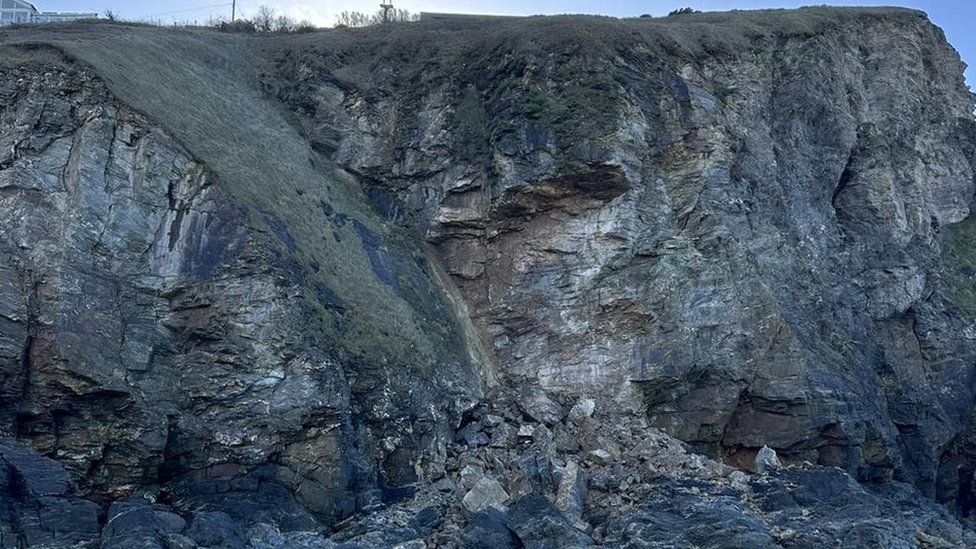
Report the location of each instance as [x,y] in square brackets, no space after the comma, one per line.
[956,17]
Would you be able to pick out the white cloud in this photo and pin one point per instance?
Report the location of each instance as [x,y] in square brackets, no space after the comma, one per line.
[309,11]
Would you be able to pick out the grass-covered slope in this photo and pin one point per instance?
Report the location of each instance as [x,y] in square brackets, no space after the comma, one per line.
[202,88]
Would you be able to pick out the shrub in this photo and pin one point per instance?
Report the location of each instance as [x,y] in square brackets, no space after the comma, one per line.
[305,26]
[266,20]
[241,25]
[359,19]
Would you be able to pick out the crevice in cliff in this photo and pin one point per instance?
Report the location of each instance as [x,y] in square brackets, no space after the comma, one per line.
[477,348]
[27,365]
[170,467]
[843,182]
[590,188]
[965,498]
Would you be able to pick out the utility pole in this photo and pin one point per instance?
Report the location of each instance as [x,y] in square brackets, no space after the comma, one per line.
[233,11]
[386,7]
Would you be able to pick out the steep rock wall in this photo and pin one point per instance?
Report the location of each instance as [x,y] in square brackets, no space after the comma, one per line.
[737,218]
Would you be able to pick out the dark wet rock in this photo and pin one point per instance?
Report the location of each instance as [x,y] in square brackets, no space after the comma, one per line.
[217,530]
[488,530]
[687,516]
[813,506]
[139,524]
[539,525]
[33,474]
[38,506]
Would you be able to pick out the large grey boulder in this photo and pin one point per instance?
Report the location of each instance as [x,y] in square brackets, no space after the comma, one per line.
[486,493]
[571,493]
[539,525]
[538,406]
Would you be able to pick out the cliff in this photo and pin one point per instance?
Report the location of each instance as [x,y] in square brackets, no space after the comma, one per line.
[481,280]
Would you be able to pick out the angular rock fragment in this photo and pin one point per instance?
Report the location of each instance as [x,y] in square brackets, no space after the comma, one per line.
[540,525]
[583,408]
[599,457]
[470,475]
[485,493]
[571,494]
[767,460]
[488,530]
[537,405]
[503,436]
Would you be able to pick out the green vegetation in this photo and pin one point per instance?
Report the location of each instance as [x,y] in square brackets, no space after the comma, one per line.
[360,19]
[959,275]
[471,122]
[565,73]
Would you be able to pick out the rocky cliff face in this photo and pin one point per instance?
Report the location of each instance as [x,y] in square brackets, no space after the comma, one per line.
[734,220]
[157,330]
[253,286]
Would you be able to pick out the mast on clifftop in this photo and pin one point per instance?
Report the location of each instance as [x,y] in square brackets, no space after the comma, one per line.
[233,11]
[386,7]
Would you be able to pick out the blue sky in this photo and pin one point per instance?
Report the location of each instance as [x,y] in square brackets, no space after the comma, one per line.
[955,16]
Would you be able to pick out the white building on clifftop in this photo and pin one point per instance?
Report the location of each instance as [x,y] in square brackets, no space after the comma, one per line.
[19,11]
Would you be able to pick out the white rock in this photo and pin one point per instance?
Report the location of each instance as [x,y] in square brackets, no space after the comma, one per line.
[571,494]
[486,493]
[470,475]
[766,460]
[739,480]
[600,457]
[583,408]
